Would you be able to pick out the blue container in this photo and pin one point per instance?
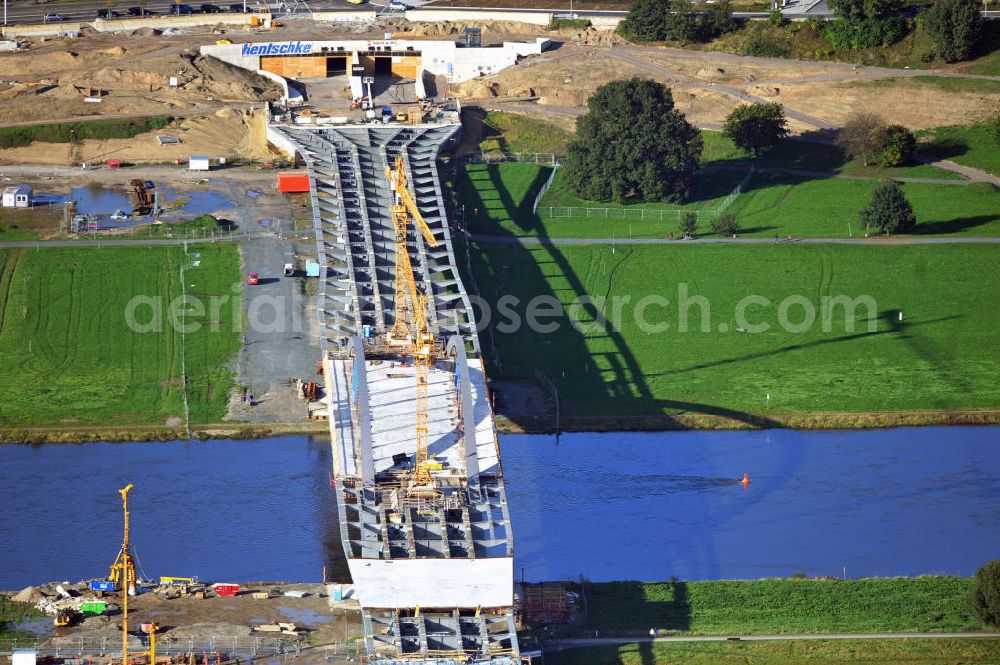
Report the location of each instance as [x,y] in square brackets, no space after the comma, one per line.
[102,586]
[338,592]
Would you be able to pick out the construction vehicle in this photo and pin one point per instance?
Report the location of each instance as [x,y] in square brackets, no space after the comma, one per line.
[170,581]
[65,616]
[421,343]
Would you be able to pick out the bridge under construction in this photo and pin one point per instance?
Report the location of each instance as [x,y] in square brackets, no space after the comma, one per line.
[423,510]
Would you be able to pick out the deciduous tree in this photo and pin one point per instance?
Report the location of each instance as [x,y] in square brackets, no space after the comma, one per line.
[689,223]
[726,224]
[755,128]
[632,144]
[860,135]
[956,26]
[646,21]
[984,596]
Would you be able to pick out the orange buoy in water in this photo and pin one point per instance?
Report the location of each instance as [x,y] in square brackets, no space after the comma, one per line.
[746,479]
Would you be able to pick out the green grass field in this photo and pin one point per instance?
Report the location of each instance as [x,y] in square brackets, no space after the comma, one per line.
[815,652]
[941,357]
[776,606]
[780,204]
[68,356]
[499,197]
[972,146]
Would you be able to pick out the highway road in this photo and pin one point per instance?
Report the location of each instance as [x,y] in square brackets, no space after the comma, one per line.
[20,11]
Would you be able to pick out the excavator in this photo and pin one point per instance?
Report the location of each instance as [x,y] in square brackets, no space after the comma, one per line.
[421,346]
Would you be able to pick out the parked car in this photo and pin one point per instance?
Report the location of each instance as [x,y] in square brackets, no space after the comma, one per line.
[210,9]
[253,279]
[181,9]
[107,13]
[53,18]
[139,11]
[398,6]
[236,8]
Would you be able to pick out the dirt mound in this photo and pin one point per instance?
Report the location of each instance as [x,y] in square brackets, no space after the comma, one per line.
[115,51]
[713,74]
[402,29]
[590,36]
[28,595]
[145,32]
[764,90]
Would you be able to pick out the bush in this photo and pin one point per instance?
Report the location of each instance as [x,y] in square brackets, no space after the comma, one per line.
[12,137]
[760,46]
[776,18]
[984,596]
[689,223]
[726,224]
[573,23]
[868,33]
[896,146]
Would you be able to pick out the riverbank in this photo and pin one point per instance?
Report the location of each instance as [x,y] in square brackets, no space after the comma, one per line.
[145,434]
[772,606]
[507,424]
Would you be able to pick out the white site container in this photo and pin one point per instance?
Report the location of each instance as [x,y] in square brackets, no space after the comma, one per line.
[17,196]
[23,656]
[196,163]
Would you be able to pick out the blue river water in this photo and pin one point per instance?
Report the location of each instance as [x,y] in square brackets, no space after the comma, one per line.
[605,506]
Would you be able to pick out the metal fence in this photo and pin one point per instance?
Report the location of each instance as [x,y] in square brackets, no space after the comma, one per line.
[545,188]
[642,214]
[546,158]
[249,646]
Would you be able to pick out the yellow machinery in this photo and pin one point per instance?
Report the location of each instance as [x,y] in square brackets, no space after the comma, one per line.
[421,343]
[165,581]
[65,616]
[123,573]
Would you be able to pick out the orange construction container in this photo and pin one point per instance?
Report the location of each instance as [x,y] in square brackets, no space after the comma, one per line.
[293,182]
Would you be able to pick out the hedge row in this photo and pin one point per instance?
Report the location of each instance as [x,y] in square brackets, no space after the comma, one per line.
[12,137]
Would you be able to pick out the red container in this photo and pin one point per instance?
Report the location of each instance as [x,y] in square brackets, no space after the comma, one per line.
[114,163]
[226,590]
[293,182]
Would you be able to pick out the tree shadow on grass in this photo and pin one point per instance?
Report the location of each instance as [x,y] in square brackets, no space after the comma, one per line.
[956,225]
[945,148]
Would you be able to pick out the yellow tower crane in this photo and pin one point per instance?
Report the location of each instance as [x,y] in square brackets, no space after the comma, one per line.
[421,342]
[123,573]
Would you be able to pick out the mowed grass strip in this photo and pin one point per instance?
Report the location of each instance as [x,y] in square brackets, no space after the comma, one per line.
[778,606]
[909,651]
[606,361]
[68,356]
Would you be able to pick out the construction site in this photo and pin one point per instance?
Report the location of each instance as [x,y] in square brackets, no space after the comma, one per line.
[360,114]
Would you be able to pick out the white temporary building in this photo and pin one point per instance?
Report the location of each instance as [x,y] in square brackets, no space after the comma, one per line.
[17,196]
[197,163]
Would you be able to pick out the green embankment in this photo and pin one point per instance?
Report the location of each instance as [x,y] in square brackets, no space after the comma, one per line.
[940,357]
[68,356]
[777,606]
[973,146]
[514,133]
[11,137]
[814,652]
